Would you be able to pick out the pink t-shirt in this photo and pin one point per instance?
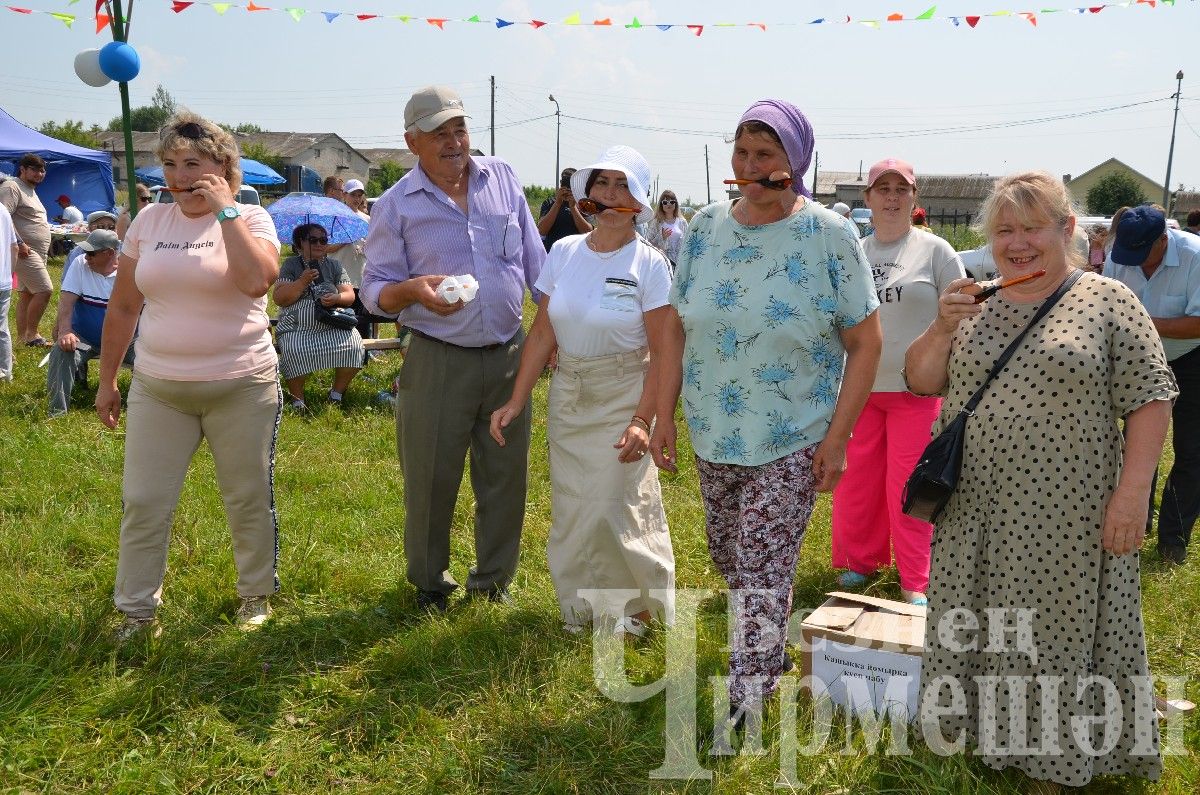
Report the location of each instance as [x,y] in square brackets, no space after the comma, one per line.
[196,325]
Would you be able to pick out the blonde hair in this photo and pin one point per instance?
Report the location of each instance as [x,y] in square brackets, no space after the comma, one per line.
[1035,197]
[187,130]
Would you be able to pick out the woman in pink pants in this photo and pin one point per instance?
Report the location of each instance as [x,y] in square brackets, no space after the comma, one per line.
[911,269]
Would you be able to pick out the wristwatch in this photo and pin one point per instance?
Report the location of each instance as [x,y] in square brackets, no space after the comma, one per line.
[227,214]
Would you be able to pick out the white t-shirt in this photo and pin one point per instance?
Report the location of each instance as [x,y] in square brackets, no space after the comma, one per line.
[72,215]
[910,275]
[8,238]
[596,303]
[678,228]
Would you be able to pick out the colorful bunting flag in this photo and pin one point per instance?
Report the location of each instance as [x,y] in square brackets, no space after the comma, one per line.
[502,23]
[928,14]
[178,7]
[331,15]
[296,13]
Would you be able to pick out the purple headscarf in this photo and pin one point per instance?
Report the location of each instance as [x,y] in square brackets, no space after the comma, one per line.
[793,130]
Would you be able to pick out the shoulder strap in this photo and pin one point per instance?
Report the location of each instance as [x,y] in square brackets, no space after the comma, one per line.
[1043,310]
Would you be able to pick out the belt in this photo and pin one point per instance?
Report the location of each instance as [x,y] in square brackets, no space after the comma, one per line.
[432,338]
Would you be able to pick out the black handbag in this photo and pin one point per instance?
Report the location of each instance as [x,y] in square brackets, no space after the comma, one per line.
[342,317]
[935,476]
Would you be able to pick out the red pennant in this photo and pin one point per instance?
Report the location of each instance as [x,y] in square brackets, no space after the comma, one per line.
[602,22]
[437,22]
[697,29]
[895,18]
[537,23]
[1031,17]
[365,17]
[178,6]
[102,21]
[99,5]
[1096,9]
[972,21]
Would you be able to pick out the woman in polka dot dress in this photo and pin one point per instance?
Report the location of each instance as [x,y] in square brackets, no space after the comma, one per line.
[1035,654]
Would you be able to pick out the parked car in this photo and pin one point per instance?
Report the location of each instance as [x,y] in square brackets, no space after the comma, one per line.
[246,195]
[861,216]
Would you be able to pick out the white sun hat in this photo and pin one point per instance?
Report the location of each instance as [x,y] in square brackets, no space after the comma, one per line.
[629,162]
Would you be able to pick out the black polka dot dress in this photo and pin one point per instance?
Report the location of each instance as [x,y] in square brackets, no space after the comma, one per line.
[1032,627]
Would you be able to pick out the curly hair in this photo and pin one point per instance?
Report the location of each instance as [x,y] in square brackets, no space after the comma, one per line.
[187,130]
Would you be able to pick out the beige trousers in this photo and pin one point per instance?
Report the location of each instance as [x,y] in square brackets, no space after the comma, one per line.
[608,530]
[164,425]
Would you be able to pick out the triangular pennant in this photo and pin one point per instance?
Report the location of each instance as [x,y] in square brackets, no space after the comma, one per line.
[252,7]
[817,21]
[870,23]
[972,21]
[1096,9]
[1000,14]
[102,21]
[474,18]
[99,5]
[403,18]
[928,13]
[664,27]
[895,18]
[502,23]
[221,8]
[955,21]
[296,13]
[572,20]
[1146,2]
[537,23]
[438,23]
[66,19]
[364,17]
[697,29]
[331,15]
[16,10]
[1032,17]
[760,25]
[634,23]
[725,25]
[602,22]
[177,7]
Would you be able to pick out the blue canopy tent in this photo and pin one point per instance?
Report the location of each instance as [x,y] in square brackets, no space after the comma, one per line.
[253,173]
[83,174]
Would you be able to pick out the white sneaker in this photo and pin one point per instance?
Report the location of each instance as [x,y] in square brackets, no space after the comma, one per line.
[254,612]
[630,626]
[132,627]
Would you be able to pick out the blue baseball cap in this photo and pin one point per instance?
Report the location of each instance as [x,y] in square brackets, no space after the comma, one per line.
[1137,232]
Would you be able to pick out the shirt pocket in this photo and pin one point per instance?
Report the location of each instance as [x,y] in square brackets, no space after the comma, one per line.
[505,234]
[1173,305]
[620,295]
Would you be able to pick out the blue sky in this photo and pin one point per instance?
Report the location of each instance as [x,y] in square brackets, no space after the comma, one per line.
[906,89]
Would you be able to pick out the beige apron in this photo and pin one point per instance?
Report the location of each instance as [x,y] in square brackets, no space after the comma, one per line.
[608,529]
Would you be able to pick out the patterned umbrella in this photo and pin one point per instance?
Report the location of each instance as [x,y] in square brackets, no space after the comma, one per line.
[342,223]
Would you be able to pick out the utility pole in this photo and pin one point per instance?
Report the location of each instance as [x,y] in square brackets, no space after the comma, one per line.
[557,138]
[707,184]
[1171,152]
[493,78]
[816,168]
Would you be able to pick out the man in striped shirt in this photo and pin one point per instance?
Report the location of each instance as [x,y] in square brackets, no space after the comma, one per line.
[82,304]
[455,215]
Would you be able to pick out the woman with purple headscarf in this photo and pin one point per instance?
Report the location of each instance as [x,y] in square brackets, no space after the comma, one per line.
[773,339]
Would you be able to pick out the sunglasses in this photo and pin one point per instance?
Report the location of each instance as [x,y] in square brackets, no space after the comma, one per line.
[190,130]
[94,253]
[144,198]
[318,241]
[665,202]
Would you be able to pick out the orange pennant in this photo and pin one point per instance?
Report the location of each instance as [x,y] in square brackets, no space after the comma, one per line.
[895,18]
[102,21]
[437,22]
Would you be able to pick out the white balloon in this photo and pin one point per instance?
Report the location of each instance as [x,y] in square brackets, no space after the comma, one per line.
[87,67]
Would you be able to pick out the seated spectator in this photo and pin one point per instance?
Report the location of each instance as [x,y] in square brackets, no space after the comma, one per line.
[101,219]
[82,305]
[306,344]
[70,213]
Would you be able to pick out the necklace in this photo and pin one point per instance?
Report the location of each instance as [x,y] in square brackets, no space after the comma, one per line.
[606,254]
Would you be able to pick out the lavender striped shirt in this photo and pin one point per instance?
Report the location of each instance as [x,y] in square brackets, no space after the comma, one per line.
[418,230]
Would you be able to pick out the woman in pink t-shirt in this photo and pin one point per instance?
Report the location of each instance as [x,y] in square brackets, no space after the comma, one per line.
[192,279]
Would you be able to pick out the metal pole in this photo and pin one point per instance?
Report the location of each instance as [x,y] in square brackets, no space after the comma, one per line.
[121,33]
[816,168]
[1171,152]
[707,183]
[493,115]
[557,138]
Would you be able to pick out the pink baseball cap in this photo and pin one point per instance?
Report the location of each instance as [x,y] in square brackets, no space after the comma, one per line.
[891,166]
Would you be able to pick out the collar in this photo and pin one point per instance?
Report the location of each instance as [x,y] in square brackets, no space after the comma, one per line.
[419,180]
[1171,255]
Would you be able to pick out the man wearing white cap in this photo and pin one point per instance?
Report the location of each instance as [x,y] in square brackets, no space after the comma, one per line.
[82,304]
[454,215]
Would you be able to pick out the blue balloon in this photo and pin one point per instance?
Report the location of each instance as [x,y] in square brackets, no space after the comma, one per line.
[120,61]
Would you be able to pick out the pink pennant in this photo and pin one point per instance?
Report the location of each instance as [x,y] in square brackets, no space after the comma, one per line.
[697,29]
[437,22]
[19,10]
[1032,17]
[177,7]
[972,21]
[760,25]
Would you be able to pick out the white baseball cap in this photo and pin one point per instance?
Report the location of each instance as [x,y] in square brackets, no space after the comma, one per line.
[629,162]
[353,185]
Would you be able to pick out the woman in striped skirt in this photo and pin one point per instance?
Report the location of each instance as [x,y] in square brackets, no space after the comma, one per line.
[305,344]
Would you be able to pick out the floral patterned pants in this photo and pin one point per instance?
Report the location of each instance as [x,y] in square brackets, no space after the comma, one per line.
[756,518]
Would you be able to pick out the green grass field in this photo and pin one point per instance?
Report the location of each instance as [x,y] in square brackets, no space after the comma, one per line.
[349,689]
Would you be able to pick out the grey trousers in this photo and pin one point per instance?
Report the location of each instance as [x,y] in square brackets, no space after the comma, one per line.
[443,409]
[60,374]
[6,357]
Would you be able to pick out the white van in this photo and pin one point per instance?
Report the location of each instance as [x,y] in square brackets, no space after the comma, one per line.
[248,194]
